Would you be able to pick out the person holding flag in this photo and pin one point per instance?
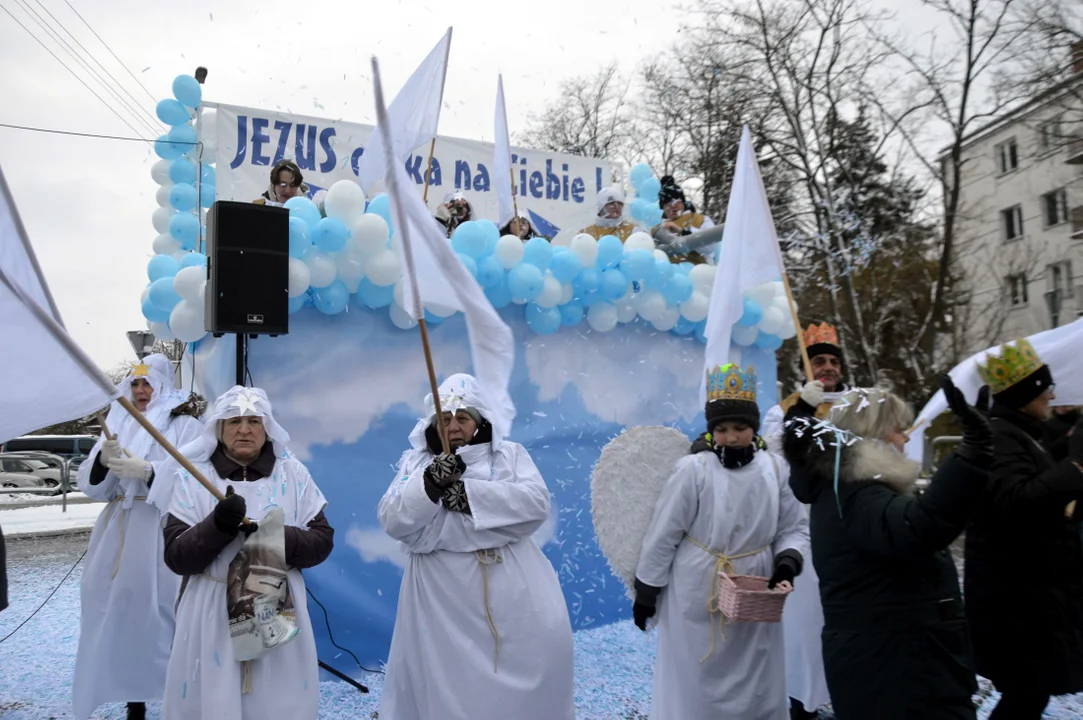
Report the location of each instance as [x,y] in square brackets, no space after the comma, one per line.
[826,384]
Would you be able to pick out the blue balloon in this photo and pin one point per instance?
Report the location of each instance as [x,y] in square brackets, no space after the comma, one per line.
[182,170]
[768,342]
[499,295]
[162,266]
[207,193]
[296,303]
[610,251]
[752,314]
[525,281]
[330,235]
[637,264]
[305,209]
[564,265]
[640,209]
[182,137]
[490,271]
[614,284]
[639,173]
[684,327]
[162,294]
[538,252]
[469,263]
[492,235]
[182,197]
[188,90]
[544,321]
[590,299]
[374,296]
[184,227]
[194,259]
[571,313]
[172,112]
[153,313]
[588,280]
[299,240]
[701,331]
[331,300]
[649,189]
[381,206]
[683,268]
[431,319]
[660,276]
[677,290]
[469,239]
[207,174]
[166,150]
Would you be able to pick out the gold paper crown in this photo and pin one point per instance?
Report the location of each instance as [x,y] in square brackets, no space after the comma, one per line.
[821,334]
[729,382]
[1015,363]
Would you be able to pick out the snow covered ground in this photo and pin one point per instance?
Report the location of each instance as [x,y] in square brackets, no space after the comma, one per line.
[50,518]
[613,663]
[39,498]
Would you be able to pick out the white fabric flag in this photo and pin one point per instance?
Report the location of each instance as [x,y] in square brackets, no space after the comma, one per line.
[749,254]
[411,119]
[442,279]
[502,159]
[46,378]
[1059,348]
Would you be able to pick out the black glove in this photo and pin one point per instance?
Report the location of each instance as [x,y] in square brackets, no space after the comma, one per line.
[977,444]
[787,567]
[455,498]
[646,600]
[229,514]
[441,473]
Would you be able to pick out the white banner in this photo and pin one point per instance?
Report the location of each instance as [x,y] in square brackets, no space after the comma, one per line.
[558,190]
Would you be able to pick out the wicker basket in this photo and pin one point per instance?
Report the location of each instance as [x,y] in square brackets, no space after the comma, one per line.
[745,598]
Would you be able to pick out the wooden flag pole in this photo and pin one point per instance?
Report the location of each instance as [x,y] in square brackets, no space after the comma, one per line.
[428,172]
[796,324]
[105,428]
[514,202]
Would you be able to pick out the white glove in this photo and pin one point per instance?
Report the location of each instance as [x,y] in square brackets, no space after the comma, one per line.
[110,451]
[131,468]
[813,393]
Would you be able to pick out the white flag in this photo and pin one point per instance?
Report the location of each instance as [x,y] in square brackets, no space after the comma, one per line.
[412,118]
[442,279]
[45,377]
[749,254]
[502,159]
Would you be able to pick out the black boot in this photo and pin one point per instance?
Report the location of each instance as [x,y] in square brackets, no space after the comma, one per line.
[798,711]
[137,711]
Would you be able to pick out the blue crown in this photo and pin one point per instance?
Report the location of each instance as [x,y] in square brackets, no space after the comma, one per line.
[729,382]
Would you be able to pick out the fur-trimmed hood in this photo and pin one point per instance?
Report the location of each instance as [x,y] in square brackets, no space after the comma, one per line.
[862,461]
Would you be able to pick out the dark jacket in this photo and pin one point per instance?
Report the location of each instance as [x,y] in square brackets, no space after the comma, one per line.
[3,574]
[1057,428]
[894,640]
[1024,565]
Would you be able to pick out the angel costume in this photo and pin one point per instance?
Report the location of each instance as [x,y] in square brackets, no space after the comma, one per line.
[205,681]
[724,509]
[127,592]
[482,631]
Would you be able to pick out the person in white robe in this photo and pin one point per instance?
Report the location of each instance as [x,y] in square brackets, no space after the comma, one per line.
[244,452]
[482,631]
[727,507]
[127,592]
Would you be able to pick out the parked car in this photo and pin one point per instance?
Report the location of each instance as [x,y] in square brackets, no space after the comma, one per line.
[66,446]
[20,480]
[50,473]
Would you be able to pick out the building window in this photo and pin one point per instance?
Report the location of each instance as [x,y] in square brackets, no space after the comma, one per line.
[1049,134]
[1055,205]
[1007,156]
[1017,289]
[1060,278]
[1012,218]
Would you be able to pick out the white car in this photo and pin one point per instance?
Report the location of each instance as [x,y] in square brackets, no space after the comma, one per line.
[20,480]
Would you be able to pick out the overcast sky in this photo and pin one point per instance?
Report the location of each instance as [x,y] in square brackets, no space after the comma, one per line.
[87,203]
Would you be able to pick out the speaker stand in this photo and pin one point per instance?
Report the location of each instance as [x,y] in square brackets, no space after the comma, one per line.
[242,357]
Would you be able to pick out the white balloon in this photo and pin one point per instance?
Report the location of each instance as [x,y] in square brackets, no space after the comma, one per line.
[743,336]
[660,255]
[639,241]
[509,251]
[208,133]
[300,276]
[345,201]
[162,196]
[567,292]
[399,293]
[350,264]
[161,331]
[166,244]
[695,308]
[650,305]
[370,233]
[188,283]
[702,277]
[762,294]
[551,292]
[178,255]
[160,172]
[585,248]
[779,288]
[626,312]
[382,267]
[788,329]
[161,218]
[736,355]
[402,319]
[441,311]
[668,320]
[602,317]
[186,321]
[322,267]
[772,320]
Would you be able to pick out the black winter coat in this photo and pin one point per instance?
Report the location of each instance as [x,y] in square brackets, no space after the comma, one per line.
[895,644]
[3,574]
[1024,565]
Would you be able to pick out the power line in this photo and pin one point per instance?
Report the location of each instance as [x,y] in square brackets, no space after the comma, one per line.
[74,74]
[151,96]
[51,131]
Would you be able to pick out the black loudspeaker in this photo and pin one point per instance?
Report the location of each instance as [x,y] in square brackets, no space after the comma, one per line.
[247,269]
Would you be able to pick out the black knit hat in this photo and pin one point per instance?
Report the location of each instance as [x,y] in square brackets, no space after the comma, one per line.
[718,411]
[1025,391]
[672,191]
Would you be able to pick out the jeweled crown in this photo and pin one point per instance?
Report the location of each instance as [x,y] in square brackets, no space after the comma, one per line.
[1015,363]
[729,382]
[821,334]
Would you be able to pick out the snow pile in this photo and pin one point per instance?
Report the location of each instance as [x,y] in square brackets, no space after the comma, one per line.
[50,518]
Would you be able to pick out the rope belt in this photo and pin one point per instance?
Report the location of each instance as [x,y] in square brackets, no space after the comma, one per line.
[724,564]
[120,550]
[487,558]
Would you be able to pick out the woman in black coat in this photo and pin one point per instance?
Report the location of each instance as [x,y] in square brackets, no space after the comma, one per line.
[895,644]
[1024,563]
